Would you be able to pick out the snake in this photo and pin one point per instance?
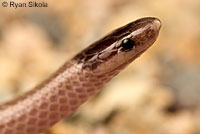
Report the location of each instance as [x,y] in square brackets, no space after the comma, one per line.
[78,79]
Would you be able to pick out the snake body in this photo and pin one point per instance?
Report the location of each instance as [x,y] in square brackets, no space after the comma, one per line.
[78,79]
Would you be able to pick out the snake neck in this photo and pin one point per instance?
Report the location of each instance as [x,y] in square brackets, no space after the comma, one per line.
[53,99]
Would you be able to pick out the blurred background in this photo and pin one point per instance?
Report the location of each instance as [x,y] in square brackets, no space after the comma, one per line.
[157,94]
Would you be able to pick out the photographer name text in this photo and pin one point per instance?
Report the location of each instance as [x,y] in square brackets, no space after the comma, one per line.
[16,5]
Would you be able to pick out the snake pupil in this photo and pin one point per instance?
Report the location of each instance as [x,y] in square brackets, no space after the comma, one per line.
[128,44]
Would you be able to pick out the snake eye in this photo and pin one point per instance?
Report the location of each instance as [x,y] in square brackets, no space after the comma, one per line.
[128,44]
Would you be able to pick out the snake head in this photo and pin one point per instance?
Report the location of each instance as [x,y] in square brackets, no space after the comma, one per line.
[116,50]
